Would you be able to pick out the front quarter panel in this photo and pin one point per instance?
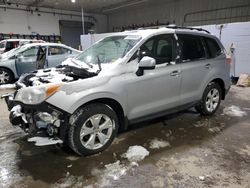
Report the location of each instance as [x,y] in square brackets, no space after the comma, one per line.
[72,96]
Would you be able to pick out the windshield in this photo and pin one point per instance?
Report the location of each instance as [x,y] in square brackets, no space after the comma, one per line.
[13,52]
[109,49]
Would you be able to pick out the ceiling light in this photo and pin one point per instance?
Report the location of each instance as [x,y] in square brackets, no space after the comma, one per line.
[73,1]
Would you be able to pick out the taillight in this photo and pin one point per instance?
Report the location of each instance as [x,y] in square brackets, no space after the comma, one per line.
[228,60]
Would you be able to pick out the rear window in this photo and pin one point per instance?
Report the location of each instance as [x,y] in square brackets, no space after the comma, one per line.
[213,47]
[191,47]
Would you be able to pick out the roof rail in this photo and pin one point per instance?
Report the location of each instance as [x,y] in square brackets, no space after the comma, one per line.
[173,27]
[190,28]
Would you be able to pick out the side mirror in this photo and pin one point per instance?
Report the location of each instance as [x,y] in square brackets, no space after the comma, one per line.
[146,63]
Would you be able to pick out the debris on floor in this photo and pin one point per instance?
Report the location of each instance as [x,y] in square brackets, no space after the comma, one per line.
[244,80]
[44,141]
[136,153]
[234,111]
[157,144]
[8,86]
[115,170]
[202,178]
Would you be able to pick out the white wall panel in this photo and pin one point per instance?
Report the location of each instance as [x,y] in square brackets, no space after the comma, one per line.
[23,22]
[174,11]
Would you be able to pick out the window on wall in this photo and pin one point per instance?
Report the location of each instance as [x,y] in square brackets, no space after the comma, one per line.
[213,47]
[191,47]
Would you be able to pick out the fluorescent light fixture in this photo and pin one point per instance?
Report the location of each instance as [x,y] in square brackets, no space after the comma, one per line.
[124,5]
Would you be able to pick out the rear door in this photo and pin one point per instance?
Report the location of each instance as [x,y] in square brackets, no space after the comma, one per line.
[194,67]
[56,55]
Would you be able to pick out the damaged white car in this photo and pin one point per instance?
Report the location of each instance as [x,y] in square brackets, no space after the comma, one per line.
[129,77]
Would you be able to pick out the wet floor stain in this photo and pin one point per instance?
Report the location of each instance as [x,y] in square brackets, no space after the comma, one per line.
[203,151]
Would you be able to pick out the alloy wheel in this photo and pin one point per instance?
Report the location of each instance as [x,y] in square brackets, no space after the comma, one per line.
[212,99]
[96,131]
[4,77]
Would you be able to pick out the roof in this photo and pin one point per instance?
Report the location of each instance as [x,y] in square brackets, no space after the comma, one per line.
[162,30]
[19,40]
[46,44]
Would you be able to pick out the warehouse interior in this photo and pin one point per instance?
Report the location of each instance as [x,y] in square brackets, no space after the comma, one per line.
[180,149]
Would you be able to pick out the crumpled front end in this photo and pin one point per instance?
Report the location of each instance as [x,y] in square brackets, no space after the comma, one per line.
[41,119]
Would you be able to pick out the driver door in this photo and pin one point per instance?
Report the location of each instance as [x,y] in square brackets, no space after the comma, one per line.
[157,90]
[26,61]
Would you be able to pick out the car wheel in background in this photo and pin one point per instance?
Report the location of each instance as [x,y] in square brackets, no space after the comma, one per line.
[6,76]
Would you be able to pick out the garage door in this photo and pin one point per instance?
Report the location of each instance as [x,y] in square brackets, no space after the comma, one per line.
[71,32]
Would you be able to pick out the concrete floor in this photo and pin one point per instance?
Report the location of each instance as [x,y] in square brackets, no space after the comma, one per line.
[203,152]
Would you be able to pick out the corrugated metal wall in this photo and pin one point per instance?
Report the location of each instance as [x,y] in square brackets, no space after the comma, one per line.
[182,12]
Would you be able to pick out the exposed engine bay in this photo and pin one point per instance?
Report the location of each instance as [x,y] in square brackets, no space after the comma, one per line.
[62,73]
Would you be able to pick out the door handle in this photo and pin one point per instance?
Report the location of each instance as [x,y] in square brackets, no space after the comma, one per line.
[175,73]
[207,66]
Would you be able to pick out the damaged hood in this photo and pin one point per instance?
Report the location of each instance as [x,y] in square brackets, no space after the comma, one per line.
[68,71]
[62,73]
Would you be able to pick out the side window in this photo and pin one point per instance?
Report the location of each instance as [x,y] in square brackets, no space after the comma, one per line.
[31,52]
[147,48]
[67,51]
[57,50]
[160,48]
[214,49]
[191,47]
[164,50]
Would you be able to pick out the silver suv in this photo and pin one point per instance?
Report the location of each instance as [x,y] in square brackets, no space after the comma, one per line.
[135,76]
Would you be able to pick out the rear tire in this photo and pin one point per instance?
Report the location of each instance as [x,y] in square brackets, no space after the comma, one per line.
[93,130]
[210,100]
[6,76]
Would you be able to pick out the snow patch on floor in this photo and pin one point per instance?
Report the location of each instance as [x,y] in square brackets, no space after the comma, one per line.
[8,86]
[69,181]
[234,111]
[157,144]
[115,170]
[44,141]
[136,153]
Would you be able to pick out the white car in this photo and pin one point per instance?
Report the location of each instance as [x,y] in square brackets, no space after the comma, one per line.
[9,44]
[130,77]
[30,57]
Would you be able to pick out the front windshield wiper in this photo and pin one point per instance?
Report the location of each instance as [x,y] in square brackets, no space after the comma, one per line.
[90,66]
[99,63]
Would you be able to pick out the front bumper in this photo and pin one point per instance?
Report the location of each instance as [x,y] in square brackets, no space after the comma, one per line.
[42,117]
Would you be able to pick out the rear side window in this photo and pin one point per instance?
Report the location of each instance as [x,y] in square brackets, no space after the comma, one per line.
[191,47]
[57,50]
[213,47]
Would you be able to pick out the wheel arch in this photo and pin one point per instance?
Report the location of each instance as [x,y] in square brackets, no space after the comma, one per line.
[116,106]
[221,83]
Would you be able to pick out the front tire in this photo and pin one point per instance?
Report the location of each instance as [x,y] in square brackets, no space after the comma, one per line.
[93,130]
[6,76]
[210,100]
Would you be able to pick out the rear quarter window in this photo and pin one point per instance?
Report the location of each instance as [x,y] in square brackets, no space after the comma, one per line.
[213,47]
